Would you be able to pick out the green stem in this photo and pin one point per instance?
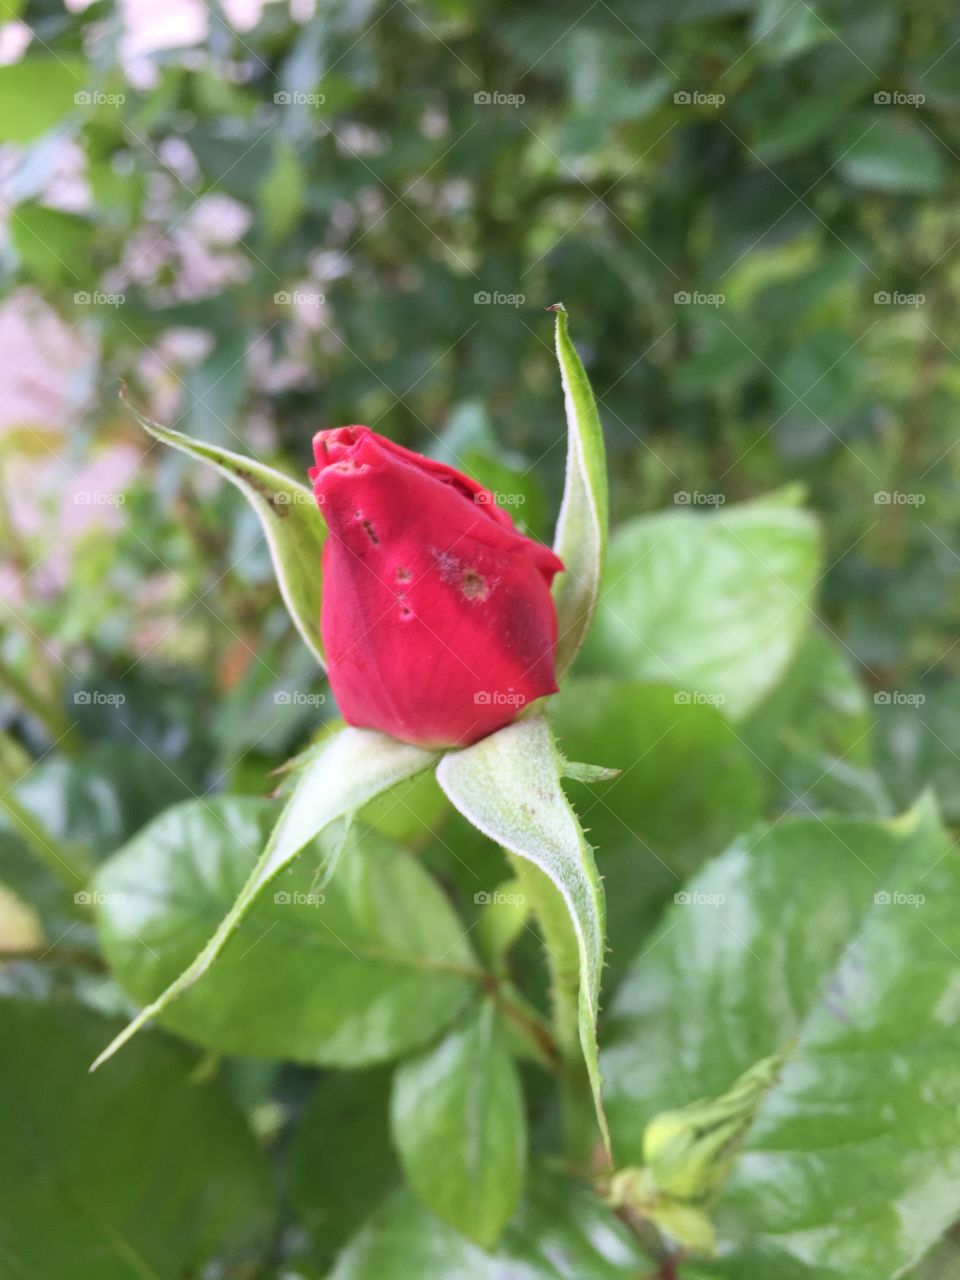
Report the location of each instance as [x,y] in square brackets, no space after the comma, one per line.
[68,865]
[563,963]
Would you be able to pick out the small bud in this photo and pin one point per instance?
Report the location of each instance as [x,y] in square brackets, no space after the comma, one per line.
[689,1151]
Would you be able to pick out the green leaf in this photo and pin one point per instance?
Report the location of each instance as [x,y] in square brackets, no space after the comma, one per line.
[151,1173]
[338,777]
[581,535]
[35,94]
[373,966]
[503,914]
[713,604]
[814,736]
[50,243]
[458,1123]
[561,1233]
[291,520]
[508,786]
[795,940]
[784,30]
[341,1161]
[687,787]
[884,150]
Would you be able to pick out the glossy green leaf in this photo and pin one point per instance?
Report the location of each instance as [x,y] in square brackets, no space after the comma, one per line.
[688,785]
[713,604]
[581,534]
[458,1123]
[812,736]
[290,517]
[560,1233]
[508,786]
[796,941]
[358,972]
[149,1173]
[338,777]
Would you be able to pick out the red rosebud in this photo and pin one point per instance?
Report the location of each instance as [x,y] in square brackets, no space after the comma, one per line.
[437,618]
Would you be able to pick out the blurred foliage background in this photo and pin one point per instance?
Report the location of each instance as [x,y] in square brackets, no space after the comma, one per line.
[266,219]
[300,212]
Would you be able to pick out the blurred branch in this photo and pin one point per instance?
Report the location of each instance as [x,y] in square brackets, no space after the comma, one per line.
[46,710]
[67,863]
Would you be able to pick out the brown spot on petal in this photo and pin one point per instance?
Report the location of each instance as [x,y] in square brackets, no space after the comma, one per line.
[474,586]
[371,532]
[404,575]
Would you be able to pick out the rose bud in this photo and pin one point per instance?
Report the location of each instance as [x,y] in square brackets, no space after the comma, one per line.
[437,618]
